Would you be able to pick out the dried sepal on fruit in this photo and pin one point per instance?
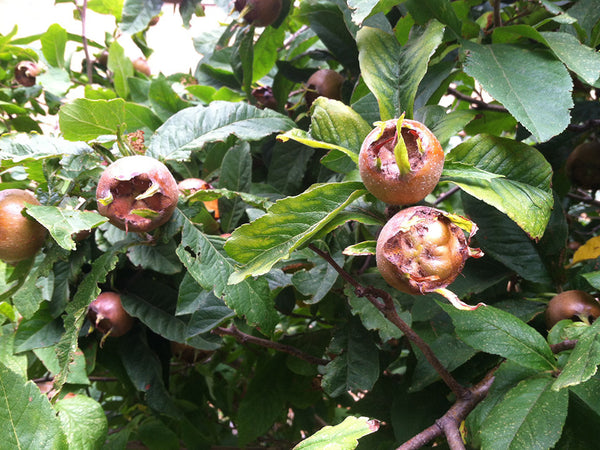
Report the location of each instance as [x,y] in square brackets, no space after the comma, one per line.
[401,161]
[137,193]
[423,249]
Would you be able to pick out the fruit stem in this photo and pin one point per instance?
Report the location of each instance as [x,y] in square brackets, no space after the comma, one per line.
[400,149]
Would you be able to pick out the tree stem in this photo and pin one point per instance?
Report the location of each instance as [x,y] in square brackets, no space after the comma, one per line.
[242,337]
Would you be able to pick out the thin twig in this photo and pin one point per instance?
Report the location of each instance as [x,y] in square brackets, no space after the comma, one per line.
[479,104]
[497,15]
[242,337]
[388,309]
[86,50]
[584,199]
[564,345]
[450,192]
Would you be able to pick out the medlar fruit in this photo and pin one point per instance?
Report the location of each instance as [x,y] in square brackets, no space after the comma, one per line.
[583,165]
[141,65]
[574,305]
[422,249]
[21,237]
[137,193]
[260,13]
[108,316]
[323,83]
[401,161]
[26,73]
[190,186]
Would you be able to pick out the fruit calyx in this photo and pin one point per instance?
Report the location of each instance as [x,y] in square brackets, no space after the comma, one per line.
[400,161]
[137,193]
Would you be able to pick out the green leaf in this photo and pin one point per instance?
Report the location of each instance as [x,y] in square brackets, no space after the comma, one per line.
[160,258]
[502,239]
[509,175]
[137,14]
[145,372]
[18,147]
[84,422]
[266,51]
[539,97]
[63,223]
[357,365]
[288,224]
[530,416]
[442,10]
[414,59]
[500,333]
[379,58]
[581,59]
[164,100]
[204,258]
[111,7]
[361,249]
[76,310]
[583,361]
[53,45]
[85,119]
[335,123]
[318,281]
[29,296]
[343,436]
[121,67]
[28,418]
[190,129]
[165,324]
[236,175]
[41,330]
[303,137]
[373,319]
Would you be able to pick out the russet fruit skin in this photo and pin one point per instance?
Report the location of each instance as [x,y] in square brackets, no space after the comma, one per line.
[137,193]
[420,250]
[108,316]
[20,236]
[379,170]
[324,83]
[583,165]
[190,186]
[260,13]
[574,305]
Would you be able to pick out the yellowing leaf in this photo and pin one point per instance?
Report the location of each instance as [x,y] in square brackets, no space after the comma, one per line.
[589,250]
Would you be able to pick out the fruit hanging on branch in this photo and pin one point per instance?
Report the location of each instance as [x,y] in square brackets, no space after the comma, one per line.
[583,165]
[21,237]
[573,305]
[137,193]
[324,83]
[423,249]
[401,161]
[107,315]
[260,13]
